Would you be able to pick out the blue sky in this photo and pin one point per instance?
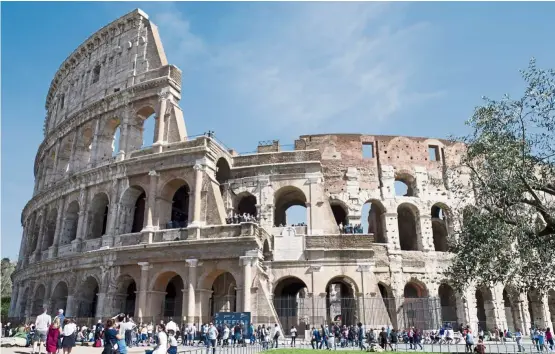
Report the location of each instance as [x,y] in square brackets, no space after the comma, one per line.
[261,71]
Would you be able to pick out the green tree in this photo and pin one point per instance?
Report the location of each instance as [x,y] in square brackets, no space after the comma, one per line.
[7,270]
[506,181]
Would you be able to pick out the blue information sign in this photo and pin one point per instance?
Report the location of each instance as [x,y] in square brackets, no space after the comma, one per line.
[232,318]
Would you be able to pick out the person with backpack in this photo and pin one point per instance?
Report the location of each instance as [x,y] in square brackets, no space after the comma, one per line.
[276,336]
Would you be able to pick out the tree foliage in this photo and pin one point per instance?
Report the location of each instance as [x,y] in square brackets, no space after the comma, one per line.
[7,270]
[506,182]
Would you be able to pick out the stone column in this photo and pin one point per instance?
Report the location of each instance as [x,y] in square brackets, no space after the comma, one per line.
[145,266]
[148,229]
[71,163]
[545,313]
[124,134]
[426,239]
[53,251]
[94,145]
[158,145]
[56,159]
[391,230]
[199,169]
[81,224]
[38,248]
[248,262]
[70,306]
[22,245]
[100,306]
[191,285]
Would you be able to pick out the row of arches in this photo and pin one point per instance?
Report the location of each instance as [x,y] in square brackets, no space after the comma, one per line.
[77,150]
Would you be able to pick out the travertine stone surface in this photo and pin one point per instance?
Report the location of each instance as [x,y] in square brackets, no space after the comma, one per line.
[111,226]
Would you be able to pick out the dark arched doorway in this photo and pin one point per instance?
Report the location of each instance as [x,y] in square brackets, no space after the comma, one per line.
[291,304]
[341,304]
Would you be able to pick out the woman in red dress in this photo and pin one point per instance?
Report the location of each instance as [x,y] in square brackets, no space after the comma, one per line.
[52,337]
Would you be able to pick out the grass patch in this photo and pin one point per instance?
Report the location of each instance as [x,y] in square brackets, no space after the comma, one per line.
[352,351]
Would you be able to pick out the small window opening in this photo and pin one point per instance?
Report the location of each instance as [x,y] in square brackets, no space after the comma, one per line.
[62,101]
[96,74]
[116,90]
[433,153]
[368,150]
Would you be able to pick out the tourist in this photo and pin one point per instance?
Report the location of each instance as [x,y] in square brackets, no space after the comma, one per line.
[111,338]
[325,337]
[361,334]
[212,336]
[549,338]
[122,328]
[53,336]
[172,342]
[161,340]
[98,334]
[469,340]
[480,347]
[393,339]
[293,333]
[518,338]
[275,335]
[60,317]
[69,332]
[383,338]
[42,323]
[171,326]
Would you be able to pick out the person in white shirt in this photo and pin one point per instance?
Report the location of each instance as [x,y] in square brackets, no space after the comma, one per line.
[171,326]
[225,335]
[293,332]
[69,333]
[42,323]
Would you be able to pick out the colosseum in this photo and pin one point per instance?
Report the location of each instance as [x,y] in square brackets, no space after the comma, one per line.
[186,227]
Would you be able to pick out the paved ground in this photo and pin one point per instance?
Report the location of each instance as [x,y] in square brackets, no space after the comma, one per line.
[491,347]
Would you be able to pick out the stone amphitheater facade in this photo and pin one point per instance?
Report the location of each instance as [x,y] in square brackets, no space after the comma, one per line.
[145,230]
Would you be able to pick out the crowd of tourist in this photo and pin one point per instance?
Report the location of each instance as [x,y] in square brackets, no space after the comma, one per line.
[239,218]
[119,333]
[350,229]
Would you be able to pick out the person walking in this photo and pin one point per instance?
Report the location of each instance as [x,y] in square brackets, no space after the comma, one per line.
[518,338]
[276,336]
[211,338]
[42,323]
[69,332]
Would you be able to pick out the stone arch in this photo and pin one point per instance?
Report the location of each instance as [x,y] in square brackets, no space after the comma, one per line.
[415,289]
[174,205]
[98,217]
[39,300]
[291,302]
[485,308]
[70,223]
[106,140]
[84,145]
[246,203]
[448,302]
[87,297]
[440,227]
[419,310]
[50,230]
[405,184]
[340,211]
[64,154]
[133,204]
[140,126]
[59,296]
[341,303]
[376,219]
[284,198]
[224,294]
[126,294]
[407,220]
[169,286]
[511,311]
[223,172]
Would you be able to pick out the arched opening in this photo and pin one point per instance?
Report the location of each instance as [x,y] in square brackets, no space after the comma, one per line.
[267,251]
[339,213]
[290,206]
[292,305]
[485,309]
[223,173]
[65,154]
[448,302]
[404,185]
[180,207]
[224,294]
[133,203]
[83,146]
[106,141]
[246,204]
[71,220]
[551,304]
[373,220]
[98,219]
[126,294]
[59,296]
[38,301]
[141,130]
[88,298]
[50,229]
[173,301]
[407,216]
[419,310]
[173,206]
[116,142]
[389,303]
[510,314]
[131,296]
[35,234]
[341,303]
[439,228]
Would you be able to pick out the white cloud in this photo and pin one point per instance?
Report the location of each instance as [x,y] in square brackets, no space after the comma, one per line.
[319,66]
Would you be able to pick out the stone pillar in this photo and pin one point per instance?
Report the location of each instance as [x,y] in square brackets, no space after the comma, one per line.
[203,307]
[391,230]
[38,248]
[101,306]
[71,163]
[13,304]
[148,229]
[70,306]
[158,145]
[81,224]
[199,169]
[53,251]
[545,314]
[18,299]
[145,266]
[94,145]
[22,245]
[191,285]
[524,314]
[365,308]
[248,262]
[426,239]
